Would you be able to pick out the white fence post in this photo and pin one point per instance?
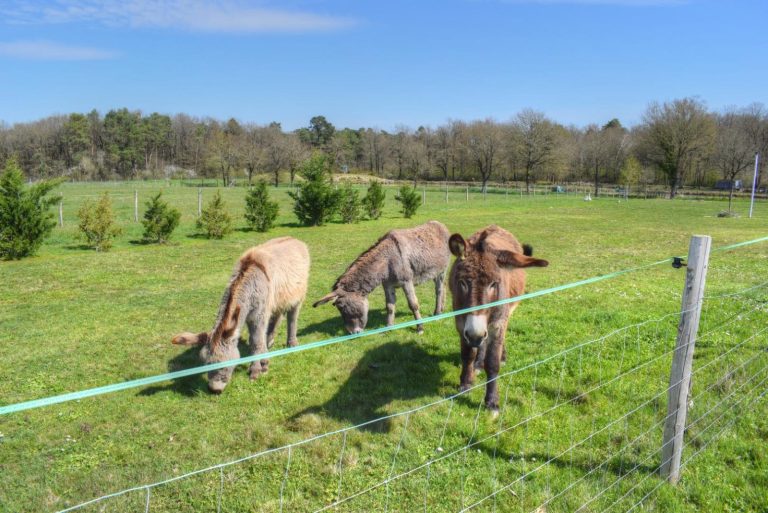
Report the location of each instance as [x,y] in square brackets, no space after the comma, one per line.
[135,205]
[199,202]
[467,193]
[682,359]
[61,210]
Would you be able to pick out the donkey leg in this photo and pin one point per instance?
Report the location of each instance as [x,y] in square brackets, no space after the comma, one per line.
[440,293]
[413,303]
[389,296]
[293,325]
[257,342]
[274,322]
[492,364]
[468,355]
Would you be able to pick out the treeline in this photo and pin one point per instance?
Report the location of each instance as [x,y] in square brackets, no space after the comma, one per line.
[677,143]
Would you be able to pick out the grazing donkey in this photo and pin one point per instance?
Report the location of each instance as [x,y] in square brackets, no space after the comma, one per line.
[401,258]
[268,281]
[488,268]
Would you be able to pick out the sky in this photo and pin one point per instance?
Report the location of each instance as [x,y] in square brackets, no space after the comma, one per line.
[382,64]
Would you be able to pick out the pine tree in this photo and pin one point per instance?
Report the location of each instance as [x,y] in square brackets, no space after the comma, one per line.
[316,201]
[25,220]
[410,200]
[214,220]
[260,212]
[160,220]
[97,223]
[373,202]
[350,206]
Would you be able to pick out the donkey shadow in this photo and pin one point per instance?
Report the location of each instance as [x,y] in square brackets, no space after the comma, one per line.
[189,386]
[390,372]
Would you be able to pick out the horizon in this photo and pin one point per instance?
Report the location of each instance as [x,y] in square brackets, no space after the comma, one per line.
[580,62]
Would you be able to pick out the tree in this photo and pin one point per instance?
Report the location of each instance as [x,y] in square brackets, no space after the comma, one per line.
[373,202]
[97,223]
[483,144]
[409,199]
[350,206]
[733,152]
[160,220]
[533,141]
[631,171]
[316,201]
[320,132]
[25,220]
[260,212]
[214,220]
[674,135]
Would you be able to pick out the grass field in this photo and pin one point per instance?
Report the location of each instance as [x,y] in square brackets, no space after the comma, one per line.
[71,318]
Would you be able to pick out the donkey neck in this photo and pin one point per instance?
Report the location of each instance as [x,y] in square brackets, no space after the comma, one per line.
[369,269]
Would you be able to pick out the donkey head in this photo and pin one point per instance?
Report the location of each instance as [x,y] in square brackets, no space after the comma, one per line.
[218,346]
[353,307]
[478,278]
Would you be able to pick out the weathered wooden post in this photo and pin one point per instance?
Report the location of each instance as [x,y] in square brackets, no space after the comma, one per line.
[199,202]
[682,359]
[61,210]
[423,195]
[135,205]
[446,192]
[467,192]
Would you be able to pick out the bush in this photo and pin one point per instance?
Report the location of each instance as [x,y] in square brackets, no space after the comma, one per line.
[373,202]
[259,211]
[214,220]
[410,200]
[350,206]
[97,223]
[24,217]
[160,220]
[316,201]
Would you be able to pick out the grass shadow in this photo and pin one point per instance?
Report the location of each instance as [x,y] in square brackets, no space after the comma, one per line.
[79,247]
[334,326]
[390,372]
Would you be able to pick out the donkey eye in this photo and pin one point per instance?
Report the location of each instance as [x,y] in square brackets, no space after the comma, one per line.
[464,286]
[494,285]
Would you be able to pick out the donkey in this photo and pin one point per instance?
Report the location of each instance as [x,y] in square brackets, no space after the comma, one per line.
[268,281]
[488,267]
[401,258]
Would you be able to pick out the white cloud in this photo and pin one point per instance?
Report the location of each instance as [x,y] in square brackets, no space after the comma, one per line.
[50,51]
[233,16]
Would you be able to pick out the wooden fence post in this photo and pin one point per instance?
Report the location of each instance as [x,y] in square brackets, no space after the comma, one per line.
[135,205]
[682,359]
[423,195]
[61,210]
[199,202]
[467,193]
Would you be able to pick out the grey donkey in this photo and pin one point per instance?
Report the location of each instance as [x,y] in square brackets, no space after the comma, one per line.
[401,258]
[268,281]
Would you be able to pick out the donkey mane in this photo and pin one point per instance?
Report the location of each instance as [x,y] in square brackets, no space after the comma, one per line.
[228,320]
[356,274]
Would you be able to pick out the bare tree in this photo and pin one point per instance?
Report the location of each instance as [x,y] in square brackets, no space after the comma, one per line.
[533,139]
[484,146]
[733,151]
[674,135]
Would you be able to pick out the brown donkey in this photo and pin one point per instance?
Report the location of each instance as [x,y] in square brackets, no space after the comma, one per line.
[488,268]
[268,281]
[401,258]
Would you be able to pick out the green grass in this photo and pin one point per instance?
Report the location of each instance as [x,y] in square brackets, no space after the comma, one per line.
[71,318]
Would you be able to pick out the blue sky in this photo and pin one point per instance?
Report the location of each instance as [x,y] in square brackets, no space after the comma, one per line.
[379,64]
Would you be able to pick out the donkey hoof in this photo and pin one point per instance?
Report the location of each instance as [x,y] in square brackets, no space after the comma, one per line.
[464,388]
[293,343]
[493,413]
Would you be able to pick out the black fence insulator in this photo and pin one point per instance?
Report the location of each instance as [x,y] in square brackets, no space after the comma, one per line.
[677,262]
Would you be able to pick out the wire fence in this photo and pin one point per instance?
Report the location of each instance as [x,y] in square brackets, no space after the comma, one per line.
[578,430]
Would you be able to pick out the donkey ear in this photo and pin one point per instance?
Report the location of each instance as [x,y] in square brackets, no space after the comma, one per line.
[190,339]
[458,245]
[512,259]
[333,295]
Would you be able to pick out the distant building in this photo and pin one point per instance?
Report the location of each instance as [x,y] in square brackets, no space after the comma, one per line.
[725,185]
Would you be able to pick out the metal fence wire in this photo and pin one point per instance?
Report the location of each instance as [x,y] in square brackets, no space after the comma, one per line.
[578,430]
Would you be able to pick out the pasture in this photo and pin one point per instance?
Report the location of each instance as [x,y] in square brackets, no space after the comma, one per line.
[71,319]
